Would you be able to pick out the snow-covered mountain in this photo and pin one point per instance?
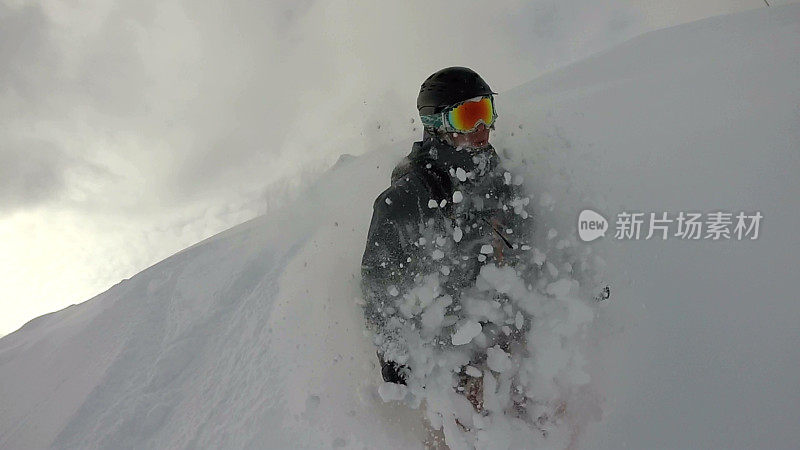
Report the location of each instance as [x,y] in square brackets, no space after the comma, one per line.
[253,338]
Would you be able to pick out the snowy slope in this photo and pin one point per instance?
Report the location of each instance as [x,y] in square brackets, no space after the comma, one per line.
[253,338]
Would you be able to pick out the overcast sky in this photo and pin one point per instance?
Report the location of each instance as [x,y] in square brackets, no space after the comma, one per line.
[132,129]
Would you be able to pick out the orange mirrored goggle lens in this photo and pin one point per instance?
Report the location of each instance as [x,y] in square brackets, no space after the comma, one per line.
[467,116]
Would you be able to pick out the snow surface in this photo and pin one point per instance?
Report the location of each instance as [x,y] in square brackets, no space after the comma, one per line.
[254,337]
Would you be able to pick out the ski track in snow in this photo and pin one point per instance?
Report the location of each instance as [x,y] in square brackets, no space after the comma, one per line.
[254,338]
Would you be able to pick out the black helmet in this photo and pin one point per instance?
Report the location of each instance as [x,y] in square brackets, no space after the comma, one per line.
[448,87]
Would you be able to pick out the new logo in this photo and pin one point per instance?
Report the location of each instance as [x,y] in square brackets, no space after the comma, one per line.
[591,225]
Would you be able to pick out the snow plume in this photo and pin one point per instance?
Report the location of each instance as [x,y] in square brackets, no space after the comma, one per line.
[536,389]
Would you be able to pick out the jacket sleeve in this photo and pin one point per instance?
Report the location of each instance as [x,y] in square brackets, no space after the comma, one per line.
[393,259]
[389,252]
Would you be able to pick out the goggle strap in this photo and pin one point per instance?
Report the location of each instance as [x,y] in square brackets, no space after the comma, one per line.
[432,121]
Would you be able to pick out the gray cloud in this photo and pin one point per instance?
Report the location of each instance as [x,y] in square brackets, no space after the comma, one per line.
[27,60]
[202,99]
[111,75]
[31,173]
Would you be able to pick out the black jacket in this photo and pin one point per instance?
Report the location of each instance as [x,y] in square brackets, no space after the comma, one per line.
[442,210]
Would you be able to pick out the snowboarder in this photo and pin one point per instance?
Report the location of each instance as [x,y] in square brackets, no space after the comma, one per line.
[451,209]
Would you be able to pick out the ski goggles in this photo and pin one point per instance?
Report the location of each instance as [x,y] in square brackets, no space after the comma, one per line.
[463,117]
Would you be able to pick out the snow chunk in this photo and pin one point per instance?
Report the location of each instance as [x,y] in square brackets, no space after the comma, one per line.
[432,204]
[482,310]
[433,316]
[461,174]
[506,281]
[393,291]
[498,360]
[466,332]
[473,372]
[507,177]
[487,249]
[437,255]
[457,234]
[457,197]
[392,392]
[519,205]
[388,201]
[427,291]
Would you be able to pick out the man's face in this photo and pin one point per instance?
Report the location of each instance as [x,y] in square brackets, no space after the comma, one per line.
[477,139]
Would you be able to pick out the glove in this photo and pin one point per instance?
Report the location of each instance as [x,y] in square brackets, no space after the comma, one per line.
[392,372]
